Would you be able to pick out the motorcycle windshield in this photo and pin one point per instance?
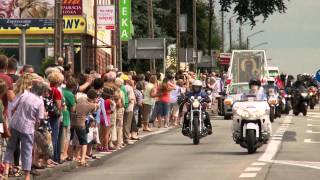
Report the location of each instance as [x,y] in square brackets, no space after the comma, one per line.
[247,65]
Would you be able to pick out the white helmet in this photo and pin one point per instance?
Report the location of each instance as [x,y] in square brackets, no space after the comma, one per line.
[196,86]
[197,83]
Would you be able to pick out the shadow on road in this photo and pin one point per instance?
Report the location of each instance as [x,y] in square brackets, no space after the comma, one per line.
[289,136]
[225,153]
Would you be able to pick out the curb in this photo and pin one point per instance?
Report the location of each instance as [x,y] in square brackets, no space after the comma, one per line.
[70,166]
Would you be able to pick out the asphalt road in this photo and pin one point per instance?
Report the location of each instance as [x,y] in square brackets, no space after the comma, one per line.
[293,154]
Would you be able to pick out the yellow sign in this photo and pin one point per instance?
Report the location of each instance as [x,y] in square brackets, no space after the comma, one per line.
[71,24]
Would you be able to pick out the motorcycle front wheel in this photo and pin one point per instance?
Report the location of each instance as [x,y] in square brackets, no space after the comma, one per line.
[196,131]
[272,114]
[251,141]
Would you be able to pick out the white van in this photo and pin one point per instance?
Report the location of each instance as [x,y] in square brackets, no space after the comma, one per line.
[273,71]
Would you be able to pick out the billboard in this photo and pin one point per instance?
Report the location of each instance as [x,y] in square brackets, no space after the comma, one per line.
[27,9]
[106,17]
[72,7]
[71,24]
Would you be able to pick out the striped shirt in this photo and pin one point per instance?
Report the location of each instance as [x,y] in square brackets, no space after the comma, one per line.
[29,109]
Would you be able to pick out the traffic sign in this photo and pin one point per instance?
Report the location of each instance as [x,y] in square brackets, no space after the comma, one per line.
[318,76]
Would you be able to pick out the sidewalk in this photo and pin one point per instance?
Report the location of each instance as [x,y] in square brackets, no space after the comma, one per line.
[69,166]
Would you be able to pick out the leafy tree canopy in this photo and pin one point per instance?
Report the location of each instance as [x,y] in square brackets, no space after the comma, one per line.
[248,10]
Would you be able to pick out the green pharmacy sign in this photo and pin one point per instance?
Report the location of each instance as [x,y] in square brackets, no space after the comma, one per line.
[125,20]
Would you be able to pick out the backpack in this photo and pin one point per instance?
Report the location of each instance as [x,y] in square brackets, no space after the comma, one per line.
[51,107]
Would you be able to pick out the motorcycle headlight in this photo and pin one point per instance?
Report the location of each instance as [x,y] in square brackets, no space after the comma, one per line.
[228,102]
[196,104]
[304,94]
[260,112]
[243,113]
[311,93]
[272,101]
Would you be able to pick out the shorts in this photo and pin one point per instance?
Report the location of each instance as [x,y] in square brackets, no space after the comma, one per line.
[81,134]
[119,117]
[161,109]
[65,136]
[174,109]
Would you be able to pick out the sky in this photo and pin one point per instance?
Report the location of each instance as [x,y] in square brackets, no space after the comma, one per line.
[293,38]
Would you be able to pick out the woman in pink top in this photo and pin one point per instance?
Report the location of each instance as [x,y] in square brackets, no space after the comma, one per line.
[162,106]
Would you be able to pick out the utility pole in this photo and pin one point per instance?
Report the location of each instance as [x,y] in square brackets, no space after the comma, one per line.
[222,30]
[178,34]
[23,45]
[58,30]
[230,34]
[118,40]
[151,32]
[195,49]
[210,26]
[95,4]
[240,35]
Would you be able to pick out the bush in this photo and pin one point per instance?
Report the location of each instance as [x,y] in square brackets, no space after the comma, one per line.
[46,63]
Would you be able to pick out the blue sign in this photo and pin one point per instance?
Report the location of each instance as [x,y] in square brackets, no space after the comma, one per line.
[318,76]
[26,23]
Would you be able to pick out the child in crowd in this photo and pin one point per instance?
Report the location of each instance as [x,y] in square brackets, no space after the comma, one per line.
[93,137]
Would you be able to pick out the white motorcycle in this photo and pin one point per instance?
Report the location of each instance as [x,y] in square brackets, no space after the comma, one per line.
[251,123]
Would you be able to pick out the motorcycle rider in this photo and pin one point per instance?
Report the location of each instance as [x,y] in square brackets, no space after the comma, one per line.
[197,91]
[271,85]
[256,89]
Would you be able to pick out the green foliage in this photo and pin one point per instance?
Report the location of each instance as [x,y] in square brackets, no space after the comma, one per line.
[250,9]
[46,63]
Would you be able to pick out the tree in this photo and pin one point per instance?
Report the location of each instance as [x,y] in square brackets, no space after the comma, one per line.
[248,10]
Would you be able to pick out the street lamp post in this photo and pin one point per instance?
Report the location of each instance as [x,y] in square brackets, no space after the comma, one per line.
[230,31]
[240,33]
[258,45]
[195,49]
[253,35]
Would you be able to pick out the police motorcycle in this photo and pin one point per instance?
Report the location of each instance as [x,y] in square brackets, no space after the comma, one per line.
[300,99]
[251,123]
[196,124]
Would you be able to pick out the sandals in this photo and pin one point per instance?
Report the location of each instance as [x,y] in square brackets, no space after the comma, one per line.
[15,172]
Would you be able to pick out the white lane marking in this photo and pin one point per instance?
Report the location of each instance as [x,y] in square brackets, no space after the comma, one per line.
[250,169]
[248,175]
[313,125]
[314,116]
[313,113]
[308,164]
[258,164]
[273,146]
[311,142]
[312,132]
